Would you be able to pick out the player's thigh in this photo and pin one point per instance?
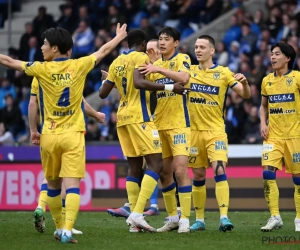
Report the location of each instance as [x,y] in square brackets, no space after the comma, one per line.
[73,155]
[165,146]
[50,156]
[216,145]
[125,141]
[198,154]
[145,138]
[292,156]
[272,153]
[180,141]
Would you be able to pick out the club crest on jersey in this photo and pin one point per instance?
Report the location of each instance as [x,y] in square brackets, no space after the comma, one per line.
[143,126]
[216,76]
[156,144]
[289,81]
[172,65]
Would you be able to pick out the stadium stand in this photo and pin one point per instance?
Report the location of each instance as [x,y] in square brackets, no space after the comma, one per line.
[244,31]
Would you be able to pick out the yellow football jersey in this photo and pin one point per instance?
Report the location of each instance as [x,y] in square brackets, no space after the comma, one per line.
[208,95]
[283,104]
[60,88]
[134,104]
[171,110]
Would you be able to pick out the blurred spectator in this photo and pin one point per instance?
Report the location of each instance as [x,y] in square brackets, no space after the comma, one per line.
[68,19]
[258,72]
[234,59]
[11,115]
[93,132]
[149,30]
[114,17]
[6,89]
[221,55]
[6,137]
[234,33]
[42,22]
[285,28]
[248,39]
[24,42]
[226,6]
[34,52]
[274,21]
[83,39]
[251,132]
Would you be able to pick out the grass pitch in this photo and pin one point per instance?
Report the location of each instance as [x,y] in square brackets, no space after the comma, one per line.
[102,231]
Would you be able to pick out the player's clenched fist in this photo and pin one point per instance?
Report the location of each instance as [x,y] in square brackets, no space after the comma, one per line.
[35,138]
[180,89]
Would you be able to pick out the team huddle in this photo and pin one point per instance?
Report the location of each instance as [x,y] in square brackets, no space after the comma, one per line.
[186,130]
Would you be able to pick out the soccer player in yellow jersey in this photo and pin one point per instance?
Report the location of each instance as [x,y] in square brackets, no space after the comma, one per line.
[209,84]
[62,145]
[39,216]
[280,129]
[137,133]
[173,123]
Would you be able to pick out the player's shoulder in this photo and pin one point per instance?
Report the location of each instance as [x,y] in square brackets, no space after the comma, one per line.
[222,69]
[268,77]
[194,67]
[158,62]
[184,56]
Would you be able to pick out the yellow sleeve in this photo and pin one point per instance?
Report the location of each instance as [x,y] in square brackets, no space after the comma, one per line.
[184,63]
[34,87]
[231,81]
[111,74]
[141,60]
[88,63]
[263,88]
[32,68]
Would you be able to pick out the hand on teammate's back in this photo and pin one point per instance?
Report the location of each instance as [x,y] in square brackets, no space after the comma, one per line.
[264,131]
[148,68]
[121,31]
[180,89]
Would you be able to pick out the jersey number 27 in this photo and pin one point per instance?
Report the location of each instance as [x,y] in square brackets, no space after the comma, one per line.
[64,100]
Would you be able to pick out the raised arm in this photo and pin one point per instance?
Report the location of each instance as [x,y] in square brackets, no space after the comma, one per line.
[108,47]
[10,62]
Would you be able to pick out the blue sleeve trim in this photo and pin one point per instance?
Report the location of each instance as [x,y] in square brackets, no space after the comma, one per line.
[110,82]
[296,180]
[63,202]
[233,84]
[32,94]
[264,95]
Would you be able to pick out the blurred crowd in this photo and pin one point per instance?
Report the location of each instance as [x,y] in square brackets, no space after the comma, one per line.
[244,48]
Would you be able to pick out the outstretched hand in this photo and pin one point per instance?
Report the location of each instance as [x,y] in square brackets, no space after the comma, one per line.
[121,31]
[240,78]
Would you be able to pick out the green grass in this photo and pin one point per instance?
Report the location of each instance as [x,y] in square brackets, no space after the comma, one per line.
[102,231]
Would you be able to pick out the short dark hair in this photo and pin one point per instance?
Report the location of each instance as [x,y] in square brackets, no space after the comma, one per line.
[209,38]
[135,38]
[59,37]
[171,32]
[288,51]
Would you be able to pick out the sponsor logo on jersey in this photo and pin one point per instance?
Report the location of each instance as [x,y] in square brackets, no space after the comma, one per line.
[282,98]
[296,157]
[216,75]
[194,151]
[200,100]
[164,81]
[179,139]
[220,145]
[277,111]
[268,147]
[203,88]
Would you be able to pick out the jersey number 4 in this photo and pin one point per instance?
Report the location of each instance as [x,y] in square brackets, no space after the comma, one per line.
[64,100]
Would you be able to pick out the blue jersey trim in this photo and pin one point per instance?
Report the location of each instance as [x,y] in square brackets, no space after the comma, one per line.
[84,116]
[41,96]
[146,117]
[128,52]
[32,94]
[233,84]
[186,112]
[289,71]
[61,59]
[110,82]
[175,54]
[224,104]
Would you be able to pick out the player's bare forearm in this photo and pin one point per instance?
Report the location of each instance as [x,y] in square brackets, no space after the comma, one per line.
[246,93]
[264,110]
[105,89]
[108,47]
[10,62]
[89,111]
[141,83]
[183,77]
[33,115]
